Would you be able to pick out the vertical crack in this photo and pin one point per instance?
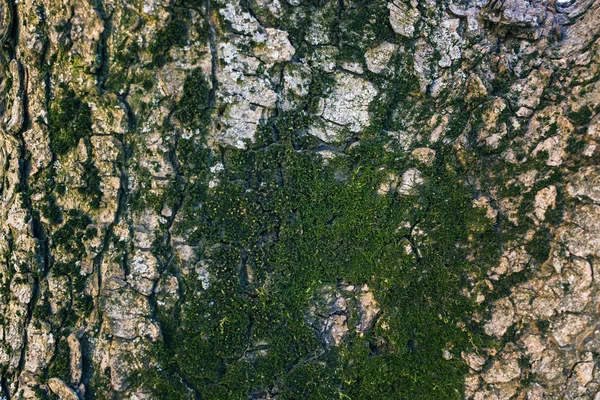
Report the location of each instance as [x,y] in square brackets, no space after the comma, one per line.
[101,73]
[102,52]
[5,389]
[214,59]
[40,267]
[122,196]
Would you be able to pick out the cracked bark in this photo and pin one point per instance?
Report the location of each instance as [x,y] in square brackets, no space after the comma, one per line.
[143,163]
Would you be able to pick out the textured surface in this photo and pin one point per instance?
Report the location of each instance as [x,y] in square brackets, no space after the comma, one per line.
[299,199]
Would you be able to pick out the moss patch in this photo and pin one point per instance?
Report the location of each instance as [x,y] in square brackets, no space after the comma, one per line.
[279,225]
[174,34]
[70,120]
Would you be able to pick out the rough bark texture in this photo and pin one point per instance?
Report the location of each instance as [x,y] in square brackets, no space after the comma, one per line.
[299,199]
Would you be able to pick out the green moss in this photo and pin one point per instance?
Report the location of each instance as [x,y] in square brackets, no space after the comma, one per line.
[46,188]
[117,80]
[99,386]
[70,119]
[321,84]
[91,184]
[69,235]
[581,117]
[543,326]
[126,55]
[554,216]
[91,232]
[60,365]
[168,388]
[192,109]
[458,123]
[362,25]
[297,225]
[300,225]
[399,99]
[500,86]
[148,83]
[50,210]
[575,145]
[42,309]
[40,394]
[174,34]
[539,246]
